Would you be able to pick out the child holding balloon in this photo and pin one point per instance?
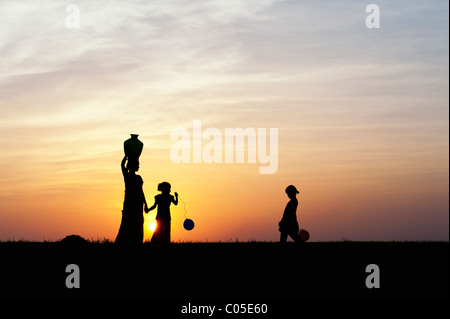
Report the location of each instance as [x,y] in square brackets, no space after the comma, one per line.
[163,218]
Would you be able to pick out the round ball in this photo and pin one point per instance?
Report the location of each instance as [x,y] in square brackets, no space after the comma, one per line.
[188,224]
[304,235]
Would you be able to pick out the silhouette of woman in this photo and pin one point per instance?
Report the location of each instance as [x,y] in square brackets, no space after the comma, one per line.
[163,201]
[131,231]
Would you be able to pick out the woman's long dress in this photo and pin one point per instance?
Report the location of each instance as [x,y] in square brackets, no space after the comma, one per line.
[131,231]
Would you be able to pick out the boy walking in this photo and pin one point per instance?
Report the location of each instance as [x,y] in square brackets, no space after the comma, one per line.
[288,224]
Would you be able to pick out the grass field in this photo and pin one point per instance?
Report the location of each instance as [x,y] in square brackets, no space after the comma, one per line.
[247,271]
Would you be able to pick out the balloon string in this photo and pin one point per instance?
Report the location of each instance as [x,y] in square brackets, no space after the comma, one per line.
[184,204]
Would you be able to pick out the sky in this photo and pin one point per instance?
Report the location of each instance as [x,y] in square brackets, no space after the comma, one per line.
[362,115]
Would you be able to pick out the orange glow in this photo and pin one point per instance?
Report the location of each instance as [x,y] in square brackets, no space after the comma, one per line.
[337,200]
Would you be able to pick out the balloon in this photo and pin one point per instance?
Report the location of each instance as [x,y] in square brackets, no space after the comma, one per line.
[188,224]
[304,234]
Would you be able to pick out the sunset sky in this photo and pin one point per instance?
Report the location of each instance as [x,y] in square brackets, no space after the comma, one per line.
[362,115]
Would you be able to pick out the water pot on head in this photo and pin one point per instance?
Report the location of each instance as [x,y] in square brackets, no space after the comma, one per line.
[133,147]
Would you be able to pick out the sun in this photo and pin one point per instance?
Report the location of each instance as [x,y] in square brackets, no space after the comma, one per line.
[152,226]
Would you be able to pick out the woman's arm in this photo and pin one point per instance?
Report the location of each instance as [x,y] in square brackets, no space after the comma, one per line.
[122,165]
[145,202]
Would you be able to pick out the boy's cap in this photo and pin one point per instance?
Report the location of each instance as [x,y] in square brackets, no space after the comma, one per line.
[292,189]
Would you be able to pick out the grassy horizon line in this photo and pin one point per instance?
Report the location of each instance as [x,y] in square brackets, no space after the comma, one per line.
[229,241]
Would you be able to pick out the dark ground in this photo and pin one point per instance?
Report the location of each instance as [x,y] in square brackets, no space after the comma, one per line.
[238,271]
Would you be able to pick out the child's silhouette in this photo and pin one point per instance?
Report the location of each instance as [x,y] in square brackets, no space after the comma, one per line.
[163,201]
[288,224]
